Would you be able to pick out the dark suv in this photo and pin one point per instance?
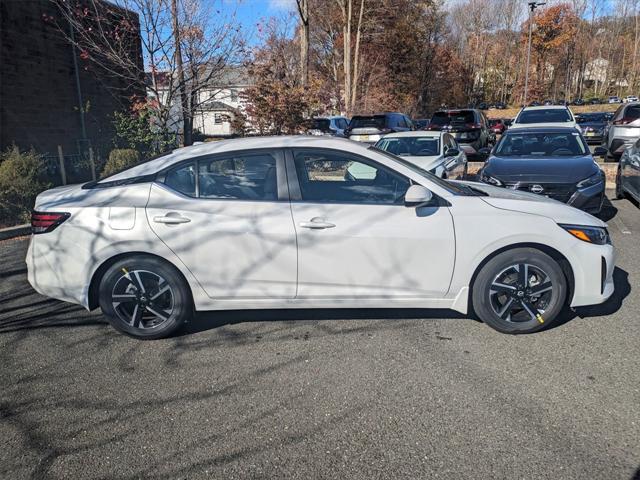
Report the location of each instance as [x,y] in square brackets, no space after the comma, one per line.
[371,128]
[470,128]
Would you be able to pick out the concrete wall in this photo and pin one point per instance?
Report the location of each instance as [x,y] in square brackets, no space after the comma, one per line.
[38,97]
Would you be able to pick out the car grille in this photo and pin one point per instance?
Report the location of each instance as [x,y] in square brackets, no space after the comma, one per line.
[557,191]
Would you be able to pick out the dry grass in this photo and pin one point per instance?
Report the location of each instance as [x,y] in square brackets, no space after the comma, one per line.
[512,112]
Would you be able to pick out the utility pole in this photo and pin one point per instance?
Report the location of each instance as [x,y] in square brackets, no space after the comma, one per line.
[532,7]
[186,118]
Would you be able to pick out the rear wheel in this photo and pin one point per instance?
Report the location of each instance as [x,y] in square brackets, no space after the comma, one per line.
[520,291]
[144,297]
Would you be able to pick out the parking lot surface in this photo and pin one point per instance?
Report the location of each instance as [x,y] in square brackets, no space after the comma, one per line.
[353,394]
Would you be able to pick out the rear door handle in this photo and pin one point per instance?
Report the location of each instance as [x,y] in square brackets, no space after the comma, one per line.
[171,219]
[316,224]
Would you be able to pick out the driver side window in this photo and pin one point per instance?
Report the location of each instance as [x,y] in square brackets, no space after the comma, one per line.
[337,177]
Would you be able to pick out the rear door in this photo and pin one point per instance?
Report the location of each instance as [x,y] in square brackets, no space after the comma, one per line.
[356,239]
[227,217]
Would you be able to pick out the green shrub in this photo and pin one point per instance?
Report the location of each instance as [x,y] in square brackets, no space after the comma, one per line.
[21,180]
[120,159]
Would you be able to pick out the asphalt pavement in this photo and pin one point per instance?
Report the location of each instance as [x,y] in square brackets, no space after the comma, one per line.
[339,394]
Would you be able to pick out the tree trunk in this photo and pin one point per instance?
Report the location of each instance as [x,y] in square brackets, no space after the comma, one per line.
[356,59]
[303,12]
[187,124]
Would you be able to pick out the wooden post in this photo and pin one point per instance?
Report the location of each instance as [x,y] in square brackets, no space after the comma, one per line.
[63,172]
[93,164]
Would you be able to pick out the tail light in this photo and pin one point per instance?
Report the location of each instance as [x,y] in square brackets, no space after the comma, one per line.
[433,126]
[44,222]
[473,125]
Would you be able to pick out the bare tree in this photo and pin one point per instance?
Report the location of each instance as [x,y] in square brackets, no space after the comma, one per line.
[303,13]
[186,49]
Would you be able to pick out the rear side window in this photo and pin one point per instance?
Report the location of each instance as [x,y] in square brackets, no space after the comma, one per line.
[182,179]
[632,112]
[243,177]
[336,177]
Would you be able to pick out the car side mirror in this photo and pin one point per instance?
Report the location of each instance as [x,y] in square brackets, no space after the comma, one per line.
[599,152]
[452,152]
[484,151]
[417,195]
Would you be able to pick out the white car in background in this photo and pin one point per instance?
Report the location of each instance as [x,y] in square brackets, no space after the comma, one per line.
[630,99]
[289,222]
[544,116]
[436,152]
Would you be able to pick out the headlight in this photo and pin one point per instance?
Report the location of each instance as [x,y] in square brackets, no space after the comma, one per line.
[591,181]
[490,180]
[595,235]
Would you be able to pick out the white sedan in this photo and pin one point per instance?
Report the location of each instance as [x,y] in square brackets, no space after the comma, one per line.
[436,152]
[301,222]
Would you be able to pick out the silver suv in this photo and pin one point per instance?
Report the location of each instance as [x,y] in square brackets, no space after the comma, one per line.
[624,129]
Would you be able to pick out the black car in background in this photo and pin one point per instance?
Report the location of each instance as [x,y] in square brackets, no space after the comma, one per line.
[371,128]
[550,161]
[593,126]
[470,128]
[421,123]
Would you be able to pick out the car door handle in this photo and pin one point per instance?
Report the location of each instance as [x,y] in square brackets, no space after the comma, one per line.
[316,224]
[171,219]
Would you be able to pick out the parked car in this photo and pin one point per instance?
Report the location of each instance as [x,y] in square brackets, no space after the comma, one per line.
[593,126]
[578,101]
[624,129]
[594,101]
[497,125]
[335,126]
[535,103]
[630,99]
[483,106]
[500,105]
[544,115]
[562,102]
[436,152]
[310,222]
[614,99]
[370,128]
[628,174]
[468,126]
[550,161]
[548,102]
[421,123]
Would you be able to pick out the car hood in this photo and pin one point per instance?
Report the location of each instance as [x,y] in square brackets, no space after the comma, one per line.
[543,170]
[530,203]
[426,162]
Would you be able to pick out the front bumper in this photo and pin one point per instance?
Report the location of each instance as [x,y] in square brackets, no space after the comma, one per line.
[589,199]
[593,273]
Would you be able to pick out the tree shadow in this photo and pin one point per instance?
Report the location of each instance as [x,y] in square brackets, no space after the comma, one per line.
[611,306]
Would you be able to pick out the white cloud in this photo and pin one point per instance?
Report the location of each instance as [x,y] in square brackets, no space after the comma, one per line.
[282,4]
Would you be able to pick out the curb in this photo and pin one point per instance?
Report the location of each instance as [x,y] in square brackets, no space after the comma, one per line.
[13,232]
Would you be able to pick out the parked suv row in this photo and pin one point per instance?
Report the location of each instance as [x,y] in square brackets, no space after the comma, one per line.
[469,127]
[371,128]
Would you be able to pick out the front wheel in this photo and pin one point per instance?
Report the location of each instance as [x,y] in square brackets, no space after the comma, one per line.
[145,297]
[520,291]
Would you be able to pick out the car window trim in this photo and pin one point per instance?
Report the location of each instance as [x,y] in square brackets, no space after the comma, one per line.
[281,179]
[294,183]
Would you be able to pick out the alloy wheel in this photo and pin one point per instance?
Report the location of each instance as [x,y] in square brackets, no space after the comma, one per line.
[142,299]
[521,293]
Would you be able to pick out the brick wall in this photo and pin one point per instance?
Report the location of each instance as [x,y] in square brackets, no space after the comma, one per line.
[38,95]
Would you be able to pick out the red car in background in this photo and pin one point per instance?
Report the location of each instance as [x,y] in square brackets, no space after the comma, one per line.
[497,126]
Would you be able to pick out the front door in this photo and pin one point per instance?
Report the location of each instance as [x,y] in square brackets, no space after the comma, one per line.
[227,217]
[356,239]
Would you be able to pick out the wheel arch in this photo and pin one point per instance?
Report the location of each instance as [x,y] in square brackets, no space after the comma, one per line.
[94,285]
[564,263]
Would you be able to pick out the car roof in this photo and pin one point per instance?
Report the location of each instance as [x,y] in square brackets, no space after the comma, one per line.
[238,144]
[543,128]
[546,107]
[416,133]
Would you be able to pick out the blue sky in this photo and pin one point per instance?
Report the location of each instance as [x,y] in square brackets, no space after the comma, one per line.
[251,12]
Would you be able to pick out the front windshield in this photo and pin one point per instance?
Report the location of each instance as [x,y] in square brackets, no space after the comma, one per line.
[541,144]
[410,146]
[455,188]
[554,115]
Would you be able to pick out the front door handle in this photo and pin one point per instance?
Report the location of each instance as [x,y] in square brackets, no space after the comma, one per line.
[171,219]
[316,223]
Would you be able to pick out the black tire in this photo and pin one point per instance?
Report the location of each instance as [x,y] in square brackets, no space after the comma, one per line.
[619,189]
[498,286]
[145,297]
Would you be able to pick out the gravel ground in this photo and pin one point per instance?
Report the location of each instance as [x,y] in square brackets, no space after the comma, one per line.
[355,394]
